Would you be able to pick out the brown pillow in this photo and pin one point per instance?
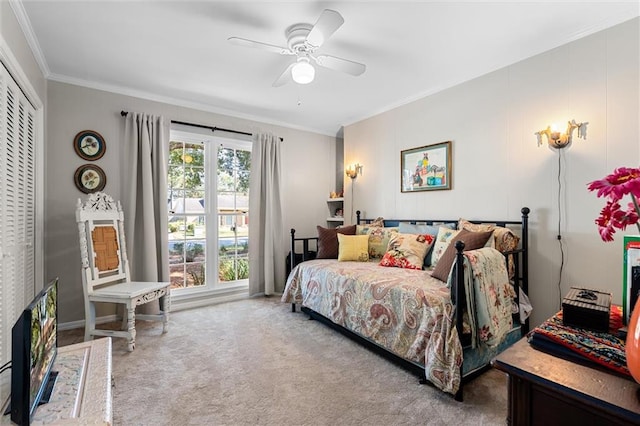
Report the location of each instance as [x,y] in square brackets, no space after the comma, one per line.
[471,240]
[328,240]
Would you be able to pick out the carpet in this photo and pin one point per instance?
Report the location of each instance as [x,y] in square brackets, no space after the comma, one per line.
[254,362]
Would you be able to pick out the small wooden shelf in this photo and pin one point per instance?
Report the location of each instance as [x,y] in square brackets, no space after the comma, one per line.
[335,205]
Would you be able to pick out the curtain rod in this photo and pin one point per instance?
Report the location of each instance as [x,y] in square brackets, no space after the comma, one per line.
[202,126]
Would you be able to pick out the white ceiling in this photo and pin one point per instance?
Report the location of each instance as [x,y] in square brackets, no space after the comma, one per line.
[177,51]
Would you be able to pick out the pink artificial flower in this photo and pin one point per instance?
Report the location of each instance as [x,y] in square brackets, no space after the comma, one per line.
[623,181]
[609,219]
[629,217]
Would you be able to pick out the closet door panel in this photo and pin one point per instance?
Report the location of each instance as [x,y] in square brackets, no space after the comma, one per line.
[17,206]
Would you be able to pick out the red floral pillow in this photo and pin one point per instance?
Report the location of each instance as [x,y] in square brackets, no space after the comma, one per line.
[407,250]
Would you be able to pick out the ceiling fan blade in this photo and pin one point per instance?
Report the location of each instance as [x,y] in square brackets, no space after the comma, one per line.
[285,77]
[327,24]
[339,64]
[264,46]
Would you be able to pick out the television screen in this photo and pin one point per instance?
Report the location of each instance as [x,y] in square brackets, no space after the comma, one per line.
[33,350]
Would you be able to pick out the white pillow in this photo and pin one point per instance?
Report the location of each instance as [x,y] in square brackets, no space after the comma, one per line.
[444,237]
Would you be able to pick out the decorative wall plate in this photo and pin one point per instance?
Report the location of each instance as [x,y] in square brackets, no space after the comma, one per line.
[89,145]
[90,178]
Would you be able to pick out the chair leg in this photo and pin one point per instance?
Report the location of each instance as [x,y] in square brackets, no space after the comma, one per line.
[165,307]
[89,321]
[125,322]
[131,326]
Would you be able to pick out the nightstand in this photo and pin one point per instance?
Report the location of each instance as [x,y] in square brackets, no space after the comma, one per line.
[547,390]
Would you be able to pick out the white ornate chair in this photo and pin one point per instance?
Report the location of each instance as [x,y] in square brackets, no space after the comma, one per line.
[105,270]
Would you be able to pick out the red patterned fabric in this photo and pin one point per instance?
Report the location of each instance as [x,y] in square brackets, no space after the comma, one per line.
[407,250]
[582,345]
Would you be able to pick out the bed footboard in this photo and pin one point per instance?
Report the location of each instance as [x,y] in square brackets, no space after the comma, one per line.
[520,280]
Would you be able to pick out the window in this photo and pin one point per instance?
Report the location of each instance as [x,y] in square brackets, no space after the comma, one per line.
[208,223]
[233,213]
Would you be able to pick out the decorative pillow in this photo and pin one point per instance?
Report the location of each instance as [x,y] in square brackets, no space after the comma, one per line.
[328,240]
[475,227]
[410,228]
[378,238]
[407,250]
[471,240]
[378,221]
[353,248]
[442,242]
[478,227]
[503,238]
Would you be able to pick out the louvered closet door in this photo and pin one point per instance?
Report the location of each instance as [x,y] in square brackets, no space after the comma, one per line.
[17,206]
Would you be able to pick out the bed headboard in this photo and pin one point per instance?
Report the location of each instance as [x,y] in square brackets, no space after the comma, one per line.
[395,222]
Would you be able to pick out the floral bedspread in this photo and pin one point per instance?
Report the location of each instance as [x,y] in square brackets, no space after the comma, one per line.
[490,296]
[407,311]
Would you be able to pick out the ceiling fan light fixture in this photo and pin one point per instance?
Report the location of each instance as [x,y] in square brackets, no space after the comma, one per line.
[303,72]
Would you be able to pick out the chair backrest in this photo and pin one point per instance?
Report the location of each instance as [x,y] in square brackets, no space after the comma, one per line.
[102,244]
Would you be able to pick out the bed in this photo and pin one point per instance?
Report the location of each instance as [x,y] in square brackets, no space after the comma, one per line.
[411,317]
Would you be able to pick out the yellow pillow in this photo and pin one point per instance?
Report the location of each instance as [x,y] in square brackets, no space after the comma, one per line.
[353,248]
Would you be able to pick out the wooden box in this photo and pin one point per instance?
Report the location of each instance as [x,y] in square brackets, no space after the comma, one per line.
[587,308]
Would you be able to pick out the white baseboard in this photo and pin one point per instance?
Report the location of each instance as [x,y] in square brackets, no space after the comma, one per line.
[179,303]
[80,323]
[208,299]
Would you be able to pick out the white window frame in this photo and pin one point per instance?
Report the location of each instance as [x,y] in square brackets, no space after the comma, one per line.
[185,298]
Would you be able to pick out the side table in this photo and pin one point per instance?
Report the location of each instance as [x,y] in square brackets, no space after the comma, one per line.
[547,390]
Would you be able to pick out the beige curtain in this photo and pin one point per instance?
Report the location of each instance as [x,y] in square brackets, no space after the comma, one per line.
[144,195]
[266,226]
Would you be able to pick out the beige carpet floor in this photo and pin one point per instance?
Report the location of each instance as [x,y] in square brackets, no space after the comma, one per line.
[254,362]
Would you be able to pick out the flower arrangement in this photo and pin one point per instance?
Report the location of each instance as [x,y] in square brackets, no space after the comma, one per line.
[614,187]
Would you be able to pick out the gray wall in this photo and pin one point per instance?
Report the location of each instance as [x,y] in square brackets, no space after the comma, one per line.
[498,167]
[309,172]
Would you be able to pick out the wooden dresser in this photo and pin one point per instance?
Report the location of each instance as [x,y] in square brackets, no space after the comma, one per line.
[547,390]
[82,393]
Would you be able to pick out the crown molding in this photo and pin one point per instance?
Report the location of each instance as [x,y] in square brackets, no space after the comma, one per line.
[30,36]
[128,91]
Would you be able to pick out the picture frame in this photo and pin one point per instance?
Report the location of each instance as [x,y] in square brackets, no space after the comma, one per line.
[426,168]
[90,178]
[89,145]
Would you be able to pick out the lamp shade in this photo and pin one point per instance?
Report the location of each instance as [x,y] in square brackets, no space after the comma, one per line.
[303,72]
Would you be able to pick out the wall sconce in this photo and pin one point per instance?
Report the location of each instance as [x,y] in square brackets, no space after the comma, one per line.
[560,140]
[354,170]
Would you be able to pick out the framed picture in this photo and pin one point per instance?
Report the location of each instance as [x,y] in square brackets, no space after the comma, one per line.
[90,178]
[89,145]
[427,168]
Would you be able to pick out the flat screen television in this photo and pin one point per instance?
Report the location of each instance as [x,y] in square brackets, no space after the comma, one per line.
[34,347]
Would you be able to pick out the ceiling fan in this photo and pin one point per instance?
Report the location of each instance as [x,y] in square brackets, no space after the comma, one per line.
[302,42]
